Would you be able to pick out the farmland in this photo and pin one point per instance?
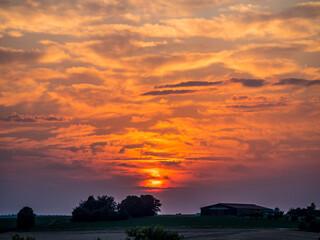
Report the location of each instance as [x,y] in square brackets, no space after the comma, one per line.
[192,227]
[63,223]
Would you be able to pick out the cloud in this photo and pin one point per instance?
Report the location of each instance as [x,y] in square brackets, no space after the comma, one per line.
[208,73]
[238,23]
[89,94]
[189,111]
[73,166]
[302,10]
[53,17]
[249,99]
[98,147]
[249,82]
[159,154]
[53,52]
[130,146]
[239,97]
[259,106]
[9,55]
[123,16]
[15,117]
[210,158]
[171,163]
[165,130]
[121,45]
[74,130]
[190,84]
[297,81]
[75,149]
[167,92]
[240,168]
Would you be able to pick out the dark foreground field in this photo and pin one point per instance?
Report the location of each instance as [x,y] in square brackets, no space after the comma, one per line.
[54,223]
[192,227]
[189,233]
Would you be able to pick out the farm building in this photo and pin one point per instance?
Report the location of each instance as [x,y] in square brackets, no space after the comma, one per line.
[234,209]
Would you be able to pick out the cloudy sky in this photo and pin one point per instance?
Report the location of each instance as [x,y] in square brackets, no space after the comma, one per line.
[193,101]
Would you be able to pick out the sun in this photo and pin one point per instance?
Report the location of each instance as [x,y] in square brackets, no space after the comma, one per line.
[154,183]
[156,179]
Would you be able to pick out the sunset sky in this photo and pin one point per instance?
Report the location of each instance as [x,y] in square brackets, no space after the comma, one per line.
[193,101]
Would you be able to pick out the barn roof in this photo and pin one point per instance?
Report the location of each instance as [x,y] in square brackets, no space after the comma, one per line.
[238,206]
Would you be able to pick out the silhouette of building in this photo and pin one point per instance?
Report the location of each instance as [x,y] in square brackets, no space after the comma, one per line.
[234,209]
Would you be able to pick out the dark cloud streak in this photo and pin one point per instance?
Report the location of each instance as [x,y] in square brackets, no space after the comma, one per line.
[210,159]
[167,92]
[159,154]
[130,146]
[249,82]
[8,55]
[297,81]
[190,84]
[257,106]
[14,117]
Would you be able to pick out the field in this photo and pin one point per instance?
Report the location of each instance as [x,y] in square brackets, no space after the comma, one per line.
[63,223]
[192,227]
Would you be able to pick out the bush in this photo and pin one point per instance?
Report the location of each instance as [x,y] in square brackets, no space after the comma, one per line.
[294,218]
[277,214]
[310,218]
[256,215]
[17,237]
[314,226]
[152,233]
[302,225]
[25,219]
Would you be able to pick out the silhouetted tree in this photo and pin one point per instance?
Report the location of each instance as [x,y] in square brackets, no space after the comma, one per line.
[151,205]
[277,213]
[25,219]
[134,206]
[312,207]
[105,208]
[308,214]
[101,209]
[306,217]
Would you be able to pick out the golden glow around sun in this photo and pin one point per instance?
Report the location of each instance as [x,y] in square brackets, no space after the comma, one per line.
[154,172]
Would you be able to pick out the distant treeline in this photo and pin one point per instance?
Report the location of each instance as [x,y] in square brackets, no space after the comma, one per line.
[105,208]
[308,218]
[310,212]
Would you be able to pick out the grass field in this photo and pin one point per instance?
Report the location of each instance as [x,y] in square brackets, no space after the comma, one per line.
[55,223]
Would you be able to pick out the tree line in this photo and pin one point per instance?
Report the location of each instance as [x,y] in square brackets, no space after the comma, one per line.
[307,218]
[105,208]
